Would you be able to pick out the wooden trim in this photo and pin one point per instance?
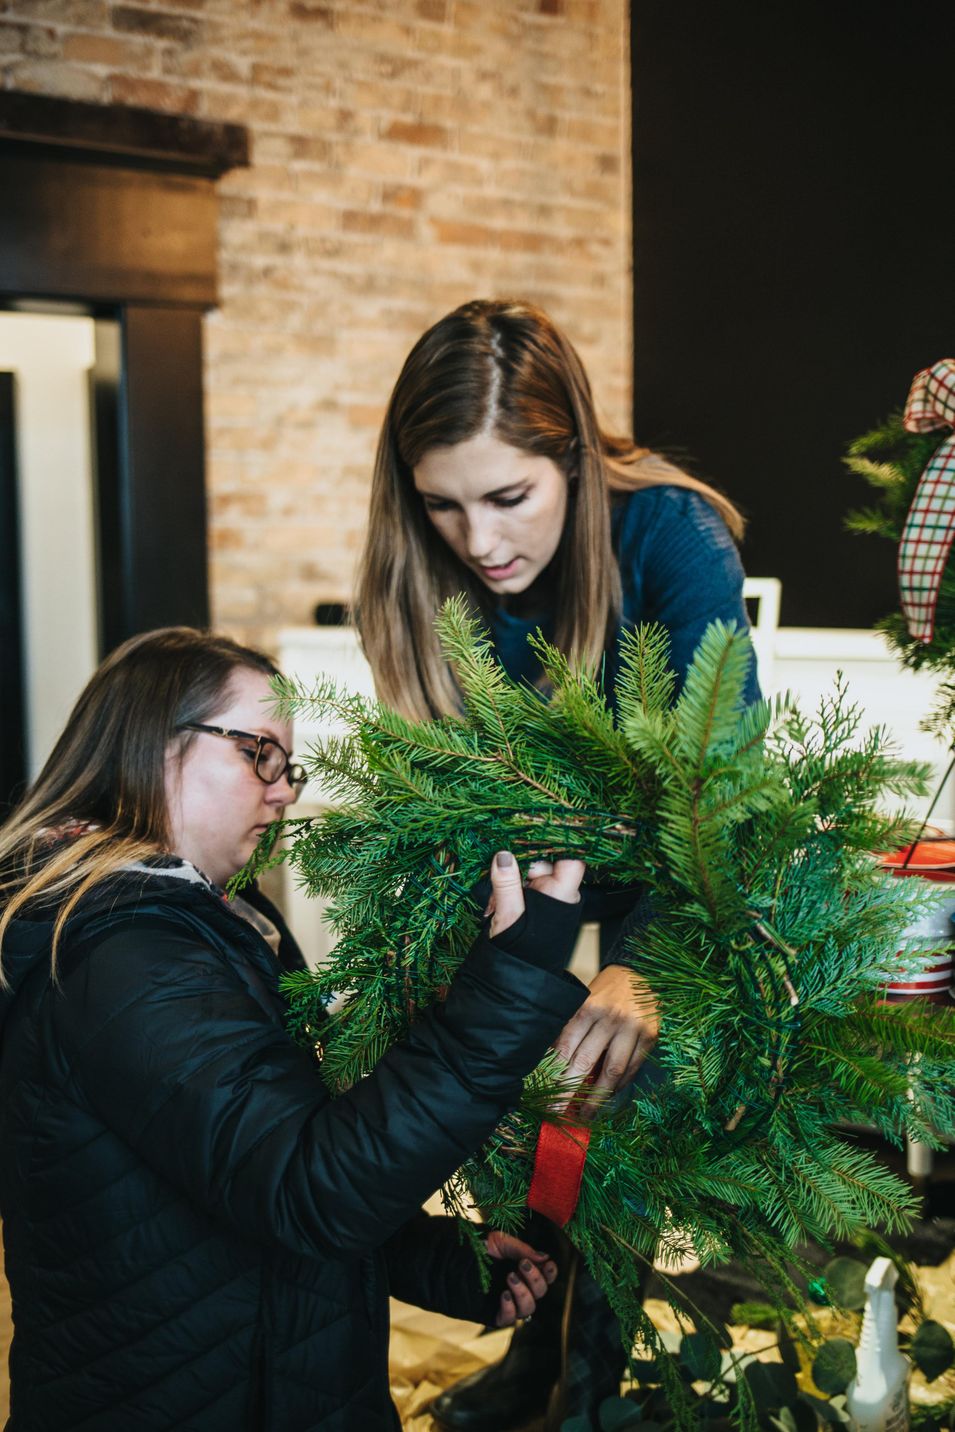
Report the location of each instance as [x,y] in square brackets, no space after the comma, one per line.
[115,209]
[99,234]
[140,138]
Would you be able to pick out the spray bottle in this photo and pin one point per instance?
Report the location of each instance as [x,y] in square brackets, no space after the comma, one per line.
[877,1399]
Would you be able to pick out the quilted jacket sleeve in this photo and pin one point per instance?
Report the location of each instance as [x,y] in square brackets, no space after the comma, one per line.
[170,1048]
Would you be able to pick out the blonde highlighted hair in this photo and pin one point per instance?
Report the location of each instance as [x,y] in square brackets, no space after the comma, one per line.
[99,803]
[500,367]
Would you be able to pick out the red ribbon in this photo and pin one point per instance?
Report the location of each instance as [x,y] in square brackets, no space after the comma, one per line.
[558,1170]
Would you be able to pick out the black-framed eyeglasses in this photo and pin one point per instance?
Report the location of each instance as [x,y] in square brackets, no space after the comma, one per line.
[270,761]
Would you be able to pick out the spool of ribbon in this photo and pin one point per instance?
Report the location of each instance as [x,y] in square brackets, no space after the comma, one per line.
[930,525]
[558,1169]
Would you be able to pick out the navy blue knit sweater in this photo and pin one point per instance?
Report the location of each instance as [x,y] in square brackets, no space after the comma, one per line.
[678,565]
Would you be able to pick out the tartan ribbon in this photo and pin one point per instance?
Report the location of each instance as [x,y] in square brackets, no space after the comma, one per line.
[930,525]
[558,1169]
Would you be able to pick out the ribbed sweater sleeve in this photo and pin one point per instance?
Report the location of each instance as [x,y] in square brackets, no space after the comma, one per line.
[679,566]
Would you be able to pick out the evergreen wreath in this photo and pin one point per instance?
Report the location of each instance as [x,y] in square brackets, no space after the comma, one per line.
[891,460]
[773,930]
[908,460]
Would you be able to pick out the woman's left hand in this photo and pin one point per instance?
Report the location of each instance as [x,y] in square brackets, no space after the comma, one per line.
[613,1031]
[529,1281]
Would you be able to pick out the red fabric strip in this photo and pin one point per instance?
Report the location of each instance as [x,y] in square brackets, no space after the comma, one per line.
[558,1170]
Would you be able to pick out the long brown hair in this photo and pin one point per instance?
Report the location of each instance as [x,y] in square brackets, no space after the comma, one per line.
[104,781]
[501,367]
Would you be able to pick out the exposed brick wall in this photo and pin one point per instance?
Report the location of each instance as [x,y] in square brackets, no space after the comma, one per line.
[406,155]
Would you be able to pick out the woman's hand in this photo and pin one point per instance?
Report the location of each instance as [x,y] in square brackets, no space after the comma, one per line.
[612,1032]
[528,1282]
[560,880]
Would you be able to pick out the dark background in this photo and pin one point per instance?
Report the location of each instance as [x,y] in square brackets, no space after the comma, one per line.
[794,255]
[11,659]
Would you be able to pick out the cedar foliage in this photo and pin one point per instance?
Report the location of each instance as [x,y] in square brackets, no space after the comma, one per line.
[773,930]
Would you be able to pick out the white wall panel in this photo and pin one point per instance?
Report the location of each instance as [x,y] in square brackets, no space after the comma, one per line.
[51,356]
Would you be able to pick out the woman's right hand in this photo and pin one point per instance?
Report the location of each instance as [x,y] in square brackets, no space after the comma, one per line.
[560,880]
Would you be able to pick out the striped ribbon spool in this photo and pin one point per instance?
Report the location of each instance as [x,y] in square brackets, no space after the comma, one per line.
[930,860]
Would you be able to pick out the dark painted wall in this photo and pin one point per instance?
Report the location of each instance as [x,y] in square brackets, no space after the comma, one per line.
[794,250]
[12,755]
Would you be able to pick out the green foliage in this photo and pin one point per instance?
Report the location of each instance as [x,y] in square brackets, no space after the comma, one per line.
[833,1359]
[724,1385]
[932,1350]
[771,1385]
[845,1281]
[773,931]
[933,1417]
[755,1314]
[700,1355]
[834,1365]
[908,1294]
[615,1414]
[891,461]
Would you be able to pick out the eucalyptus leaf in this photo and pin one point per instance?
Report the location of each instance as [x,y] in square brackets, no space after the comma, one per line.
[700,1355]
[823,1410]
[787,1348]
[772,1385]
[720,1332]
[714,1416]
[932,1349]
[834,1365]
[617,1413]
[786,1421]
[830,1411]
[657,1407]
[805,1414]
[845,1279]
[644,1369]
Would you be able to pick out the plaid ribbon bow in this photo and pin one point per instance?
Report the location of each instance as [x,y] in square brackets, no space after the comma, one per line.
[930,524]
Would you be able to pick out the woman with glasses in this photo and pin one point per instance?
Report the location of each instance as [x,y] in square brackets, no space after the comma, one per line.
[197,1235]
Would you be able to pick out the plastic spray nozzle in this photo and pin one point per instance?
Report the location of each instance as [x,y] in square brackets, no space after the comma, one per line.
[882,1276]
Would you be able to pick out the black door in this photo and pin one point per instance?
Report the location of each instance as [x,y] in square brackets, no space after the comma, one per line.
[12,735]
[793,241]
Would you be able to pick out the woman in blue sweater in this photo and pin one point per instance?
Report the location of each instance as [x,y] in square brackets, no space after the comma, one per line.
[493,477]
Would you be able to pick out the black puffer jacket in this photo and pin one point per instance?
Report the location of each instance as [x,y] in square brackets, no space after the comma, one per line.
[197,1236]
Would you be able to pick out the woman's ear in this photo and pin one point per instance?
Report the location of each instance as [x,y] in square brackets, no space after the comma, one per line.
[173,757]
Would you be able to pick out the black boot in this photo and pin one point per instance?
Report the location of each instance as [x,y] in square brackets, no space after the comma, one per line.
[593,1359]
[510,1393]
[515,1390]
[561,1363]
